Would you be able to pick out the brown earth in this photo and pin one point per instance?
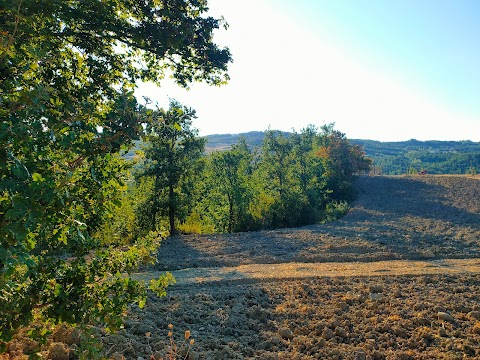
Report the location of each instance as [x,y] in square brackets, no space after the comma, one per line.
[397,278]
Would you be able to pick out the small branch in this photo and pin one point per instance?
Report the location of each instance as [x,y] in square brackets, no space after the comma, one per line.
[77,162]
[11,38]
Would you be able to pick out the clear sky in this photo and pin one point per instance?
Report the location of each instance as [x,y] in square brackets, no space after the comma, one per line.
[386,70]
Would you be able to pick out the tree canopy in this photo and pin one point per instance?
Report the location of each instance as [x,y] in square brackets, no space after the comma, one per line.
[68,71]
[171,152]
[292,179]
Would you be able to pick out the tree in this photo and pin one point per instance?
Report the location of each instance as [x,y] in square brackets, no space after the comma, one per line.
[280,195]
[173,148]
[309,170]
[294,189]
[67,107]
[341,161]
[228,174]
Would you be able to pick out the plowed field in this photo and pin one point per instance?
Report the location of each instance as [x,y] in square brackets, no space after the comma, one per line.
[397,278]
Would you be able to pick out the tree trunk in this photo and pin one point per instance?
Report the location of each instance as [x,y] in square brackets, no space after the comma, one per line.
[230,213]
[171,210]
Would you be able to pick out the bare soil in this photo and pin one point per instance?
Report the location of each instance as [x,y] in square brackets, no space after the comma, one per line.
[397,278]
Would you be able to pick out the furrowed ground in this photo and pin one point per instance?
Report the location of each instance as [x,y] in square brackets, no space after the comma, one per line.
[397,278]
[372,285]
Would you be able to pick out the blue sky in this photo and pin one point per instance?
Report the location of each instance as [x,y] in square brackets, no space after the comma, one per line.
[380,69]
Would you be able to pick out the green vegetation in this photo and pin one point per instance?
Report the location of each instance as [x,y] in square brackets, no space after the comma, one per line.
[77,217]
[171,152]
[68,71]
[391,158]
[288,181]
[226,191]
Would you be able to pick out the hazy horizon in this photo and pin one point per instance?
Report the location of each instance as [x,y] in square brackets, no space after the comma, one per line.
[350,138]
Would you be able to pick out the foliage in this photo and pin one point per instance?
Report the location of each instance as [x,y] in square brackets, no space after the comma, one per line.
[172,152]
[67,107]
[291,180]
[227,189]
[118,226]
[341,162]
[335,210]
[195,223]
[391,158]
[280,181]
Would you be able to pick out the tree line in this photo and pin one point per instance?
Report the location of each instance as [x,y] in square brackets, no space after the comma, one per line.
[393,158]
[290,180]
[433,157]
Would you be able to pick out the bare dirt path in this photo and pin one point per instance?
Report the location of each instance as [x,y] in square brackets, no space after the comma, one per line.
[289,271]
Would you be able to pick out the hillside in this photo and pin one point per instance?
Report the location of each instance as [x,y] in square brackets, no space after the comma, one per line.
[327,291]
[436,157]
[225,141]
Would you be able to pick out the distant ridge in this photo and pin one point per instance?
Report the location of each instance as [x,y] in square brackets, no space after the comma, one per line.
[225,141]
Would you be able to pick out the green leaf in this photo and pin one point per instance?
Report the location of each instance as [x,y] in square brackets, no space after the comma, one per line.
[58,289]
[20,171]
[4,254]
[81,225]
[37,177]
[15,213]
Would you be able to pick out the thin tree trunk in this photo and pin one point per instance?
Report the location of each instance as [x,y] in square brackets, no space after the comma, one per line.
[171,210]
[230,214]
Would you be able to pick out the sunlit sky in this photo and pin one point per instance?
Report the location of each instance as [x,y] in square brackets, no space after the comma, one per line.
[385,70]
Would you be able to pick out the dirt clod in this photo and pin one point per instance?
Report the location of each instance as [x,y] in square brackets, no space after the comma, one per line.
[58,351]
[445,316]
[285,333]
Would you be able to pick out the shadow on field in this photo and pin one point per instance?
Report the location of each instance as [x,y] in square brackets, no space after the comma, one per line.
[416,217]
[399,197]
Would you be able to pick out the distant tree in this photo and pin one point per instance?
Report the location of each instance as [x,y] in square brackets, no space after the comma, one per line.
[67,74]
[289,189]
[309,170]
[436,157]
[172,150]
[275,190]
